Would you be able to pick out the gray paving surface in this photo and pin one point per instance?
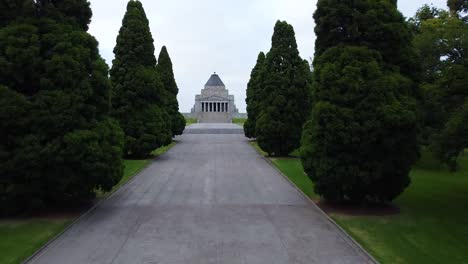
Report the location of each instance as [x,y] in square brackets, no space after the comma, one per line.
[207,128]
[211,199]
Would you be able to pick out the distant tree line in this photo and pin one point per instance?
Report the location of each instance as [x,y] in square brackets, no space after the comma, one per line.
[64,125]
[382,87]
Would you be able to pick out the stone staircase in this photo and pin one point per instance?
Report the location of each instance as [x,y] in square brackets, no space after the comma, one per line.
[215,118]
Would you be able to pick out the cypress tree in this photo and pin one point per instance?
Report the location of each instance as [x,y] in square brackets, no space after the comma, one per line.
[254,97]
[170,91]
[138,90]
[286,91]
[58,144]
[360,141]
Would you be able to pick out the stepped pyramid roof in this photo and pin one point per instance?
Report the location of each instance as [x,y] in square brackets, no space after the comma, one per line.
[214,81]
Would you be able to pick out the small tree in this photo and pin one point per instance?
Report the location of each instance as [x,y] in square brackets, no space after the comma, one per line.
[286,91]
[254,97]
[138,90]
[170,91]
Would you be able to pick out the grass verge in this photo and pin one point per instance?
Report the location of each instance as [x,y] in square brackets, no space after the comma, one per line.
[432,226]
[20,238]
[190,121]
[239,121]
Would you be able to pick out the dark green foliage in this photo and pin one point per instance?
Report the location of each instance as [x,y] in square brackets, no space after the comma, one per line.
[360,141]
[254,97]
[452,140]
[442,41]
[170,91]
[285,86]
[458,8]
[376,24]
[76,12]
[138,90]
[11,10]
[58,144]
[146,130]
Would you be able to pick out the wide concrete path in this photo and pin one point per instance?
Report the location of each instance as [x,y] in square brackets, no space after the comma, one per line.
[211,199]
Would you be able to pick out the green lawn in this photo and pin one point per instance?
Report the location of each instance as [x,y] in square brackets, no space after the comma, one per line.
[21,238]
[292,167]
[432,226]
[190,121]
[239,121]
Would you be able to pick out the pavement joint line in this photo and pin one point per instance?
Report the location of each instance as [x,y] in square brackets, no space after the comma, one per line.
[89,211]
[343,232]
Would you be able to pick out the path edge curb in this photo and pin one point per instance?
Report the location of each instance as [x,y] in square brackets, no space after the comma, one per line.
[89,211]
[343,232]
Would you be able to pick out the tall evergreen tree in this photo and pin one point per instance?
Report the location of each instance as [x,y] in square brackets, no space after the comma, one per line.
[286,92]
[254,97]
[170,91]
[58,144]
[138,90]
[360,142]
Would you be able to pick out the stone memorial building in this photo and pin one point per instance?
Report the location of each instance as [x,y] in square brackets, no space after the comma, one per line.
[214,104]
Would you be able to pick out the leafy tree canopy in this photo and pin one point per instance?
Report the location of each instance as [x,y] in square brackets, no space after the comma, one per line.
[442,42]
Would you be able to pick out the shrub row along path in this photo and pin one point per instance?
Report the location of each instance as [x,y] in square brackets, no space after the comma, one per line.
[210,199]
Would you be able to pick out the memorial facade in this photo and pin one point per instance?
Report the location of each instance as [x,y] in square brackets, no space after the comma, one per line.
[214,104]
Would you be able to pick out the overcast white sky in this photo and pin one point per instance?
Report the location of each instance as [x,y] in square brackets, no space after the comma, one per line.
[205,36]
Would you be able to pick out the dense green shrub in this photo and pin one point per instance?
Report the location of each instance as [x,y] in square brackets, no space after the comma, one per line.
[361,139]
[58,143]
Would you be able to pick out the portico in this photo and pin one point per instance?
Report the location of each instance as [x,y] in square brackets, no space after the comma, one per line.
[215,107]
